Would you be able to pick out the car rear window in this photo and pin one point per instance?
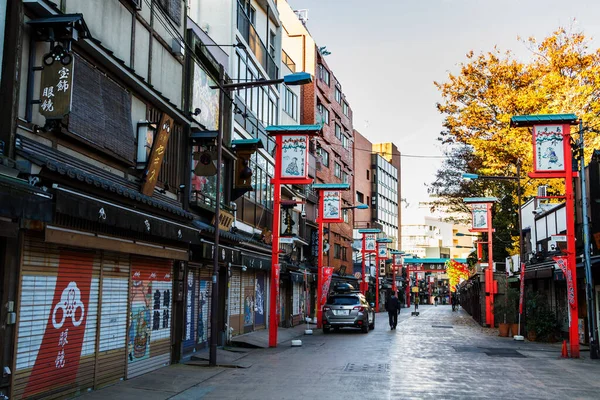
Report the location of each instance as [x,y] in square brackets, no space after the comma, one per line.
[343,300]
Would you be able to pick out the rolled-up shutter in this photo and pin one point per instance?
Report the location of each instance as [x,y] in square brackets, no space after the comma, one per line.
[112,346]
[260,300]
[249,292]
[150,314]
[58,313]
[203,303]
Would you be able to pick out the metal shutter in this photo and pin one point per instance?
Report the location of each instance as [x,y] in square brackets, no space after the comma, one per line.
[112,346]
[235,302]
[58,312]
[260,300]
[150,312]
[203,304]
[249,291]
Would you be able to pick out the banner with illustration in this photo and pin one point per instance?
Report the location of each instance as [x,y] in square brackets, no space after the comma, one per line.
[294,157]
[332,206]
[370,242]
[327,274]
[259,311]
[549,154]
[480,216]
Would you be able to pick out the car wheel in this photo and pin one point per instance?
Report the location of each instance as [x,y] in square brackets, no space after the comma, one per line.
[326,330]
[365,327]
[372,324]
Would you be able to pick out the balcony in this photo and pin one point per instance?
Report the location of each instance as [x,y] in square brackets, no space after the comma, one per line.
[259,49]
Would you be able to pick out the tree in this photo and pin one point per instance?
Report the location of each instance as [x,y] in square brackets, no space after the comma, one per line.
[562,76]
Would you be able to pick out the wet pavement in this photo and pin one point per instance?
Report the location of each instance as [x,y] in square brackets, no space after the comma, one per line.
[440,354]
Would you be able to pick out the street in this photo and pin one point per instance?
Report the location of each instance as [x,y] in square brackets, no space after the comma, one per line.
[439,354]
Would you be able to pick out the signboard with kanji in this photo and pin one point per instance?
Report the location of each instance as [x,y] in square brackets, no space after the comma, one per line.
[549,154]
[294,157]
[157,154]
[382,250]
[332,206]
[370,242]
[480,216]
[56,89]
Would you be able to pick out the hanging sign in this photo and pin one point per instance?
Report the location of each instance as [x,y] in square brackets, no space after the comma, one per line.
[549,148]
[397,259]
[294,158]
[563,264]
[157,154]
[370,242]
[56,90]
[480,216]
[522,288]
[332,206]
[382,250]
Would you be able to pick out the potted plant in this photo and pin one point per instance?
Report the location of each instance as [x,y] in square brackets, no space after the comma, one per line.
[505,311]
[512,310]
[541,320]
[500,315]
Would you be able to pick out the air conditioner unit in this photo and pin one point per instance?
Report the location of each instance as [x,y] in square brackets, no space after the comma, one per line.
[542,191]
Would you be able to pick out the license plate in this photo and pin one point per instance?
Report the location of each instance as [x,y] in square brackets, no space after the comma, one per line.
[341,312]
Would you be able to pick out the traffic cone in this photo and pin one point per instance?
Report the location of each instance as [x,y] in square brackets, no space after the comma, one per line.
[564,353]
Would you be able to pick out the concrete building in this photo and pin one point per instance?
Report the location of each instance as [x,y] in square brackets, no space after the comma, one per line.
[392,155]
[430,237]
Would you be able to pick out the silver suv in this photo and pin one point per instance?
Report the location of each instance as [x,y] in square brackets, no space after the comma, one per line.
[348,310]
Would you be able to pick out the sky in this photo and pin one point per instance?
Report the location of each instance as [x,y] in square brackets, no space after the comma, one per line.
[388,53]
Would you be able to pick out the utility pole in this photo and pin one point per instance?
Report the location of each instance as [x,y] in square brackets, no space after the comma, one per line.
[592,323]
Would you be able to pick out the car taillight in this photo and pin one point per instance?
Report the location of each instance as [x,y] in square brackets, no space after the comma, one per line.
[326,308]
[359,308]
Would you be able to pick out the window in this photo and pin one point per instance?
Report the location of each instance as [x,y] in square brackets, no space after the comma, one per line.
[337,251]
[345,142]
[345,216]
[338,170]
[345,107]
[338,131]
[324,113]
[272,44]
[290,103]
[324,74]
[360,198]
[345,253]
[324,157]
[345,177]
[368,174]
[367,203]
[250,11]
[338,95]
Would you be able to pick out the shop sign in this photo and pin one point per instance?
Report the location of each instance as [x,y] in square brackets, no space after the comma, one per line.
[294,158]
[549,148]
[157,154]
[56,90]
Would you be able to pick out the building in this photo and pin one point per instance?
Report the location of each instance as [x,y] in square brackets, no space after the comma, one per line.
[392,155]
[385,198]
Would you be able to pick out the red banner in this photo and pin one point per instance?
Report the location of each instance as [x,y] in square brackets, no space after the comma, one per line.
[563,264]
[57,362]
[327,273]
[522,289]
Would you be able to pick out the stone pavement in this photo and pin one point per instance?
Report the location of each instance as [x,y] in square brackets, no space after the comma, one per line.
[440,354]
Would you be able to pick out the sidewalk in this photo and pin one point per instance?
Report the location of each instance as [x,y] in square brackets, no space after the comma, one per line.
[171,382]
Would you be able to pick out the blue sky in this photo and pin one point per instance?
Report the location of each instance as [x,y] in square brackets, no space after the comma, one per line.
[387,53]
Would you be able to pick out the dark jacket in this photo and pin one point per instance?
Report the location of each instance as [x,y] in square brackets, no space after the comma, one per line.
[392,305]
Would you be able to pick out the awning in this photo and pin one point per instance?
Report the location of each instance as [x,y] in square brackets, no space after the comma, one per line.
[256,261]
[18,199]
[211,229]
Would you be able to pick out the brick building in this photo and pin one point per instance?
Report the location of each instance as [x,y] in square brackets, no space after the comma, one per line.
[324,102]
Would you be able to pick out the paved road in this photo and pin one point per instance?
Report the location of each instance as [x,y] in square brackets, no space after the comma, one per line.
[438,355]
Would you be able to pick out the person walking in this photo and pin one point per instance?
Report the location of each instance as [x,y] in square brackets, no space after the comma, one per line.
[392,306]
[416,302]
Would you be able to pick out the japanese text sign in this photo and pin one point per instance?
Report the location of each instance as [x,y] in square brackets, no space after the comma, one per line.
[294,157]
[56,89]
[549,147]
[157,155]
[332,206]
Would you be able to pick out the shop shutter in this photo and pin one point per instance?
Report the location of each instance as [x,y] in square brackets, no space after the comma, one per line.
[58,313]
[260,299]
[191,310]
[249,292]
[235,300]
[112,346]
[150,315]
[203,304]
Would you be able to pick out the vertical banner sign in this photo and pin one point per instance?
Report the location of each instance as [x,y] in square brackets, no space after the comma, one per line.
[327,274]
[382,252]
[57,361]
[294,157]
[190,325]
[480,216]
[370,242]
[157,154]
[275,272]
[56,89]
[397,259]
[522,289]
[332,206]
[548,148]
[562,263]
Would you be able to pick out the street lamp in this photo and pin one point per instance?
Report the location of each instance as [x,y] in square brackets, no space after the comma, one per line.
[298,78]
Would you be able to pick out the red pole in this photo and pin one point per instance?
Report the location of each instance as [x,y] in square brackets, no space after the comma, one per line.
[377,279]
[394,288]
[570,209]
[274,295]
[363,283]
[320,263]
[489,281]
[407,286]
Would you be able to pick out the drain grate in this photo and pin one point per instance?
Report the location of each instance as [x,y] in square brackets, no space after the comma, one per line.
[442,326]
[351,367]
[511,353]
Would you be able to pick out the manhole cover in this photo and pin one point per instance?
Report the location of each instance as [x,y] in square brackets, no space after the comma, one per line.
[442,326]
[467,349]
[351,367]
